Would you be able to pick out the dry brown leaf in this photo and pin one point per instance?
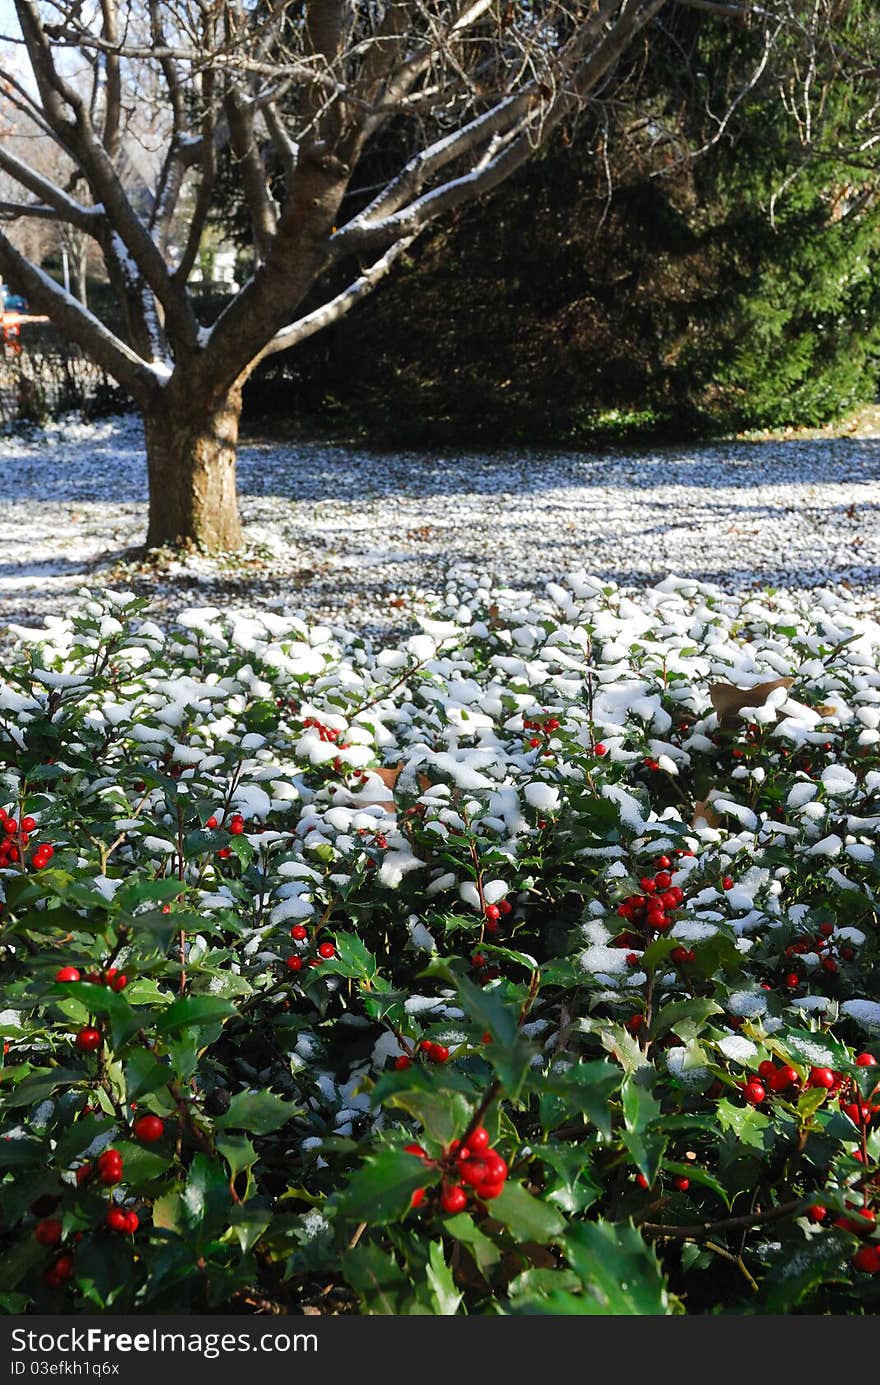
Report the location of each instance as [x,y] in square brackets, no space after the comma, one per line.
[729,701]
[389,774]
[826,710]
[703,813]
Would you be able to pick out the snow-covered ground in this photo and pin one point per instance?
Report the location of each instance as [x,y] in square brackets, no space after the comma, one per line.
[357,536]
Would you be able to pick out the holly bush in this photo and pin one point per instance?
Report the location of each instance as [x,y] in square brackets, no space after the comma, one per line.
[527,967]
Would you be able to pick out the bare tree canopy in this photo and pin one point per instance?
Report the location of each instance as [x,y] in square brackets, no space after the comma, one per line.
[143,101]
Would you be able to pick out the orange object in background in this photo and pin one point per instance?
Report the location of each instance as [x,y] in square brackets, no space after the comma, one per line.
[11,332]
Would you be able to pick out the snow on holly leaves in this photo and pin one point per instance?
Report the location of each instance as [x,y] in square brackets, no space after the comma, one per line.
[591,872]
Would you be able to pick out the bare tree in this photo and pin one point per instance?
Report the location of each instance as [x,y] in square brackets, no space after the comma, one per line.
[296,93]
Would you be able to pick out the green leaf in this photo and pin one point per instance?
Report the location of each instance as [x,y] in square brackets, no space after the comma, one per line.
[259,1113]
[619,1272]
[463,1228]
[248,1224]
[376,1278]
[697,1174]
[145,1074]
[193,1010]
[141,1165]
[238,1152]
[445,1296]
[352,958]
[427,1098]
[583,1089]
[206,1198]
[527,1217]
[810,1050]
[100,1000]
[381,1190]
[801,1265]
[686,1018]
[747,1124]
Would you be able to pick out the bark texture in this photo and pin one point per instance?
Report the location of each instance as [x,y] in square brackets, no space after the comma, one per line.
[191,447]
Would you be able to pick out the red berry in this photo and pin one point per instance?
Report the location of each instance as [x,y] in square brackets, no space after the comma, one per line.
[299,933]
[505,906]
[792,980]
[754,1093]
[132,1222]
[817,1213]
[727,882]
[63,1267]
[67,974]
[28,824]
[474,1172]
[663,863]
[48,1232]
[663,880]
[680,955]
[829,964]
[487,1191]
[492,912]
[642,1180]
[478,1140]
[118,982]
[417,1198]
[415,1149]
[88,1040]
[294,963]
[600,749]
[439,1053]
[783,1079]
[767,1068]
[453,1199]
[116,1219]
[402,1063]
[648,884]
[867,1258]
[866,1060]
[236,827]
[681,1183]
[497,1166]
[211,823]
[326,950]
[149,1129]
[821,1077]
[84,1175]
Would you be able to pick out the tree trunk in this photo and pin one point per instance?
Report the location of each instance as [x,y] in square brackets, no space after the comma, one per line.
[191,444]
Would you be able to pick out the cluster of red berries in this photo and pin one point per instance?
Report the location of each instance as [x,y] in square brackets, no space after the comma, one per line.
[325,733]
[651,909]
[15,838]
[435,1053]
[107,1168]
[111,976]
[49,1232]
[820,943]
[486,970]
[126,1223]
[59,1272]
[468,1166]
[784,1078]
[492,913]
[324,952]
[546,728]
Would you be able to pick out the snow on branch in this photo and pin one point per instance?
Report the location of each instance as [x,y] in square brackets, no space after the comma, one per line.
[337,307]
